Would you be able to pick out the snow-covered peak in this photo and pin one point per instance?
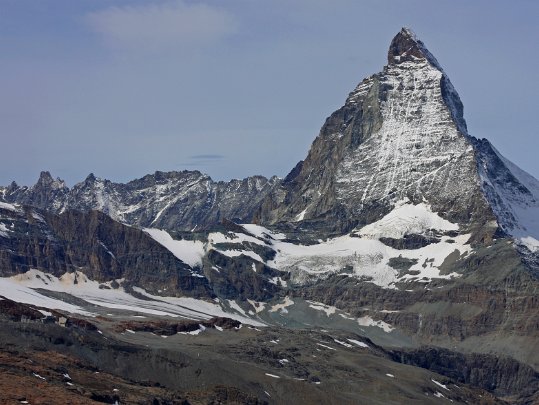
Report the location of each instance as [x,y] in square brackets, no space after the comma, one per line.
[407,48]
[401,134]
[417,148]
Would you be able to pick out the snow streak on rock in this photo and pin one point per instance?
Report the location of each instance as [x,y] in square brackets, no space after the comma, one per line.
[417,151]
[512,193]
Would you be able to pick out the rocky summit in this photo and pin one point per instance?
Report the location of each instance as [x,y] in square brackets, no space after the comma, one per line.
[397,263]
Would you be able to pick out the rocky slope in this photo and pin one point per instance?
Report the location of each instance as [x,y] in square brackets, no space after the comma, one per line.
[227,365]
[91,242]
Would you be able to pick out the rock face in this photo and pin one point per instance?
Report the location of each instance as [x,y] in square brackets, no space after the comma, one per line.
[400,135]
[105,250]
[179,201]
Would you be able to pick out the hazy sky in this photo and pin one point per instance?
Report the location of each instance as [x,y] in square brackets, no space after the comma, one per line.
[233,88]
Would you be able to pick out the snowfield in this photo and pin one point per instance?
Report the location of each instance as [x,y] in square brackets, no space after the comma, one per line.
[406,219]
[189,252]
[360,254]
[21,288]
[364,255]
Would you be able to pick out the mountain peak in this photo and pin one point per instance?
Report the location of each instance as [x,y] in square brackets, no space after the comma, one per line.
[406,47]
[47,181]
[90,178]
[45,178]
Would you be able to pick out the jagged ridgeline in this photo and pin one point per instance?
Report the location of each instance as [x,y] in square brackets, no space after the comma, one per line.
[400,136]
[398,222]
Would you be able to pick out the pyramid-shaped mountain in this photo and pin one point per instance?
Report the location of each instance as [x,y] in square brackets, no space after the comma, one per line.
[401,135]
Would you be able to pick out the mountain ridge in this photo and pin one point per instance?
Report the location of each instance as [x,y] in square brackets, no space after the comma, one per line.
[143,201]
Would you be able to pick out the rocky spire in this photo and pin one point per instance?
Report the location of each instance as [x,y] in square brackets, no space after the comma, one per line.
[90,179]
[45,179]
[406,47]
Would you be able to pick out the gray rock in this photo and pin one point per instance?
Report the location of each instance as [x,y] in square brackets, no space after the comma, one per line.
[177,201]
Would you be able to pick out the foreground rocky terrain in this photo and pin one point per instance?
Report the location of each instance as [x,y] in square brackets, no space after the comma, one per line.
[397,263]
[231,363]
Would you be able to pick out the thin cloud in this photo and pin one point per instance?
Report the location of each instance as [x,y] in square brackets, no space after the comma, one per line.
[161,26]
[207,157]
[202,160]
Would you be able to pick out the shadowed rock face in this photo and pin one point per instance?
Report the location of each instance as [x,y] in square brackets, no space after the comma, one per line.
[502,375]
[95,244]
[405,47]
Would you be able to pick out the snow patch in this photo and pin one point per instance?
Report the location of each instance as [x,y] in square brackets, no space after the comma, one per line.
[188,251]
[342,343]
[406,219]
[236,253]
[368,321]
[234,305]
[10,207]
[358,343]
[264,233]
[301,215]
[278,281]
[21,287]
[201,328]
[282,306]
[439,384]
[326,346]
[329,310]
[4,230]
[360,257]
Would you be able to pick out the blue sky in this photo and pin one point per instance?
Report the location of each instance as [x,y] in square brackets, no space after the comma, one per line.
[122,88]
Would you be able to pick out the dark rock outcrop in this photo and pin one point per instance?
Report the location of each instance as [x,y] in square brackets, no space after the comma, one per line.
[498,374]
[95,244]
